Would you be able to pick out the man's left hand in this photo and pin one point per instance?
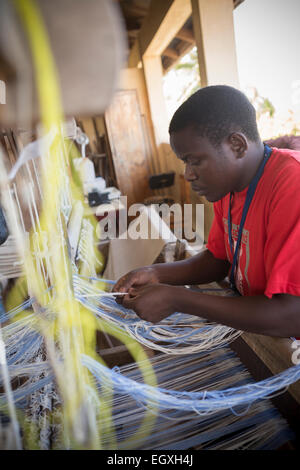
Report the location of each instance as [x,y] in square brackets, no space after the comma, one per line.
[153,302]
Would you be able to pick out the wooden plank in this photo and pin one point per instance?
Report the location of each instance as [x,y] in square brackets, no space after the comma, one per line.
[276,354]
[125,131]
[134,79]
[152,22]
[183,48]
[186,35]
[161,24]
[170,52]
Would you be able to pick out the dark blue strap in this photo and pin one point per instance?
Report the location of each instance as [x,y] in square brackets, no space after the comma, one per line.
[249,197]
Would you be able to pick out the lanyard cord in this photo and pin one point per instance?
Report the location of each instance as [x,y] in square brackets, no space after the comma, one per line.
[249,197]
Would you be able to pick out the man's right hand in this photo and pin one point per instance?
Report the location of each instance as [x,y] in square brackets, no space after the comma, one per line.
[137,278]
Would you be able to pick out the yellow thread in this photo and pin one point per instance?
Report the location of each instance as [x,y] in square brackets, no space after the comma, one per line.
[73,330]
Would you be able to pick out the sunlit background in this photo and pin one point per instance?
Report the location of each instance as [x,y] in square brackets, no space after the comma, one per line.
[267,37]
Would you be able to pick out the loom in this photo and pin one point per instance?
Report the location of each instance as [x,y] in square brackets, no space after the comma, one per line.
[56,391]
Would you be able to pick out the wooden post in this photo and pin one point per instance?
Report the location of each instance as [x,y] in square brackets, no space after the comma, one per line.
[165,20]
[214,35]
[154,81]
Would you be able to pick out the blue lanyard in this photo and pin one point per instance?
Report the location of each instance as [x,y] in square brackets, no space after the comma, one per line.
[249,197]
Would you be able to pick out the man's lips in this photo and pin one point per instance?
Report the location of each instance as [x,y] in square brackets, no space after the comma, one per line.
[198,190]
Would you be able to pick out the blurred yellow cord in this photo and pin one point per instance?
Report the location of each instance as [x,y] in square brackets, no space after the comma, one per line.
[72,332]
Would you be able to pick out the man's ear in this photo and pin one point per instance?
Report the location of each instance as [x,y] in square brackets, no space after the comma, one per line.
[238,144]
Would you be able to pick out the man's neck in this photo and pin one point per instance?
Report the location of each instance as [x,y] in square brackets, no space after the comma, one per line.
[251,162]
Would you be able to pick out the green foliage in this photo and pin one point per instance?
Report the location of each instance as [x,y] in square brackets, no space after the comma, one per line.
[267,107]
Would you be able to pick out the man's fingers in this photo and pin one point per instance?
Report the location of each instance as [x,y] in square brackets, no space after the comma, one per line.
[133,291]
[119,286]
[129,293]
[124,284]
[119,298]
[128,302]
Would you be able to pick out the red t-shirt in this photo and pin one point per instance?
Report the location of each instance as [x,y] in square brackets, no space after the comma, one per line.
[269,257]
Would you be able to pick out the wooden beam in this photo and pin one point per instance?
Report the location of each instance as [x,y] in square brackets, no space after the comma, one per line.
[162,23]
[167,63]
[133,33]
[214,35]
[132,24]
[134,58]
[134,10]
[186,35]
[170,52]
[183,49]
[152,22]
[236,3]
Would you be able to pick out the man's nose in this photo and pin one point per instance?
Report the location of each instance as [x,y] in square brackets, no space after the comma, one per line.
[189,173]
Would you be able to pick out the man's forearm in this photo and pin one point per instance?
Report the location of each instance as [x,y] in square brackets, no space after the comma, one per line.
[279,316]
[199,269]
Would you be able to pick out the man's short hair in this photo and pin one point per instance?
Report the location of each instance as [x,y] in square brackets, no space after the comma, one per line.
[216,112]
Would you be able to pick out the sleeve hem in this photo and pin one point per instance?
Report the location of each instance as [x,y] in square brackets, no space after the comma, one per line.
[215,252]
[282,288]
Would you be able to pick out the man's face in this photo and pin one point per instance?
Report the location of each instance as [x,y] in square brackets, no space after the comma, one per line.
[210,170]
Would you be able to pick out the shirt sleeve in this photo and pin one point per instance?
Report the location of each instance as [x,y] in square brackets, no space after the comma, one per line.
[282,247]
[216,240]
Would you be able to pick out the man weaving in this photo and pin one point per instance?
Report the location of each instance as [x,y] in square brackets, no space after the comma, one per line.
[255,235]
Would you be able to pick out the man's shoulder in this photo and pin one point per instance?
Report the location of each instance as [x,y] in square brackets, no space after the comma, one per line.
[284,169]
[286,159]
[281,185]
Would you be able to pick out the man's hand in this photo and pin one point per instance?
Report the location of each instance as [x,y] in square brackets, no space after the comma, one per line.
[278,316]
[137,278]
[152,303]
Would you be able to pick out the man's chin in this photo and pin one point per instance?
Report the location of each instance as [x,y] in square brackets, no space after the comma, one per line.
[212,198]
